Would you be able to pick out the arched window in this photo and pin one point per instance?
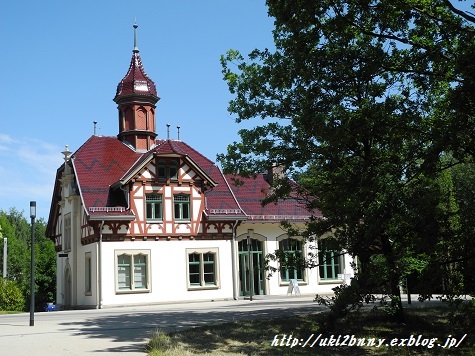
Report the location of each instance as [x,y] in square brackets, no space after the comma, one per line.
[292,260]
[330,260]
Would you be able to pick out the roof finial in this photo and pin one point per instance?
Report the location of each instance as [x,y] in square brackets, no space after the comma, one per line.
[136,49]
[66,153]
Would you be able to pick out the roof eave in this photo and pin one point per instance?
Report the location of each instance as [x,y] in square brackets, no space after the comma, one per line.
[111,217]
[226,218]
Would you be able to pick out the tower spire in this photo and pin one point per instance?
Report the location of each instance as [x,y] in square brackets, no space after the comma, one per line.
[136,49]
[136,97]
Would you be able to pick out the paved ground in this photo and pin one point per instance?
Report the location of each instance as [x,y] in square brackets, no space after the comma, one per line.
[118,330]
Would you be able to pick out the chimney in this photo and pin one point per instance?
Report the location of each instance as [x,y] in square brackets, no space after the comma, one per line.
[276,171]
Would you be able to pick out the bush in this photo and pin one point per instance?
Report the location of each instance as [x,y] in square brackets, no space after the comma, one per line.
[160,344]
[11,298]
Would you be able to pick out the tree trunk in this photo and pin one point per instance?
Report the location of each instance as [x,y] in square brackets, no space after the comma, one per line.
[394,279]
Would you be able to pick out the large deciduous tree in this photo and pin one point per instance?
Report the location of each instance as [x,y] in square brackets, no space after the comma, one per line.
[365,96]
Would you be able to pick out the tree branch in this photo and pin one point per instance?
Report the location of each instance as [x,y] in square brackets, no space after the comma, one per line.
[461,13]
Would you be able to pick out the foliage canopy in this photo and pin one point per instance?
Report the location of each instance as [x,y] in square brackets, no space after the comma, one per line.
[365,103]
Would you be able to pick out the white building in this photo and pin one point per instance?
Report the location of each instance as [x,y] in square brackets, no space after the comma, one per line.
[140,220]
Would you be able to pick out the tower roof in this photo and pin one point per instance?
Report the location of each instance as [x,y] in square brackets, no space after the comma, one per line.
[136,80]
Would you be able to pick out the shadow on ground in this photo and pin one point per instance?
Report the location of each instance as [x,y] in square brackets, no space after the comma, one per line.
[136,328]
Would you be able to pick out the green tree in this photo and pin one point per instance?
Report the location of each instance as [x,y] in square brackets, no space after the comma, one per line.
[463,177]
[18,231]
[362,96]
[45,266]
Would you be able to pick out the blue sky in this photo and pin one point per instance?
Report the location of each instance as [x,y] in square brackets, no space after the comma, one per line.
[62,60]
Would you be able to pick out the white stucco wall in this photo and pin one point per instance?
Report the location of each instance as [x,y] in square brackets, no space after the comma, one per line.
[168,272]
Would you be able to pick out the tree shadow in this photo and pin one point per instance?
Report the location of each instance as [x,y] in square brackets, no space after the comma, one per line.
[135,328]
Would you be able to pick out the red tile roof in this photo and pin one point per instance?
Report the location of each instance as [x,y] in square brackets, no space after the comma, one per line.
[98,163]
[250,193]
[102,162]
[170,147]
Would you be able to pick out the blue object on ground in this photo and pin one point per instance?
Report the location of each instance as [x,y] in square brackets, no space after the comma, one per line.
[50,307]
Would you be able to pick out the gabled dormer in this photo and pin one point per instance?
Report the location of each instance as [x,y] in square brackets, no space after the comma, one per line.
[167,163]
[165,189]
[136,97]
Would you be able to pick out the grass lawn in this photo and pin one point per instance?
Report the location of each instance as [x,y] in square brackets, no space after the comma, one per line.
[256,336]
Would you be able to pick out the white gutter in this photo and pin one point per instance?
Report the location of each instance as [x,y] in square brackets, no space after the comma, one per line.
[79,185]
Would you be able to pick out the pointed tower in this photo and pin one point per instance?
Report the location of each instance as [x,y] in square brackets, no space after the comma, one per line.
[136,98]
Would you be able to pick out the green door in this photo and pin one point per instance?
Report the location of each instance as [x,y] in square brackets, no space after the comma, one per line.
[254,264]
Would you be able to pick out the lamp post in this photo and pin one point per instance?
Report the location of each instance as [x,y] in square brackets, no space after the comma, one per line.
[32,277]
[5,254]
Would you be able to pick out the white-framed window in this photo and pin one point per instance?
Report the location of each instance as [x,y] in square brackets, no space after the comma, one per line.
[202,268]
[132,271]
[292,259]
[67,232]
[330,261]
[181,204]
[87,274]
[154,207]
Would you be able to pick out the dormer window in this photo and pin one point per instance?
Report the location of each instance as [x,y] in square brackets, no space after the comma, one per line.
[162,170]
[173,169]
[167,170]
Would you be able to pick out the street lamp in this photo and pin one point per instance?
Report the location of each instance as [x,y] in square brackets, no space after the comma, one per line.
[32,276]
